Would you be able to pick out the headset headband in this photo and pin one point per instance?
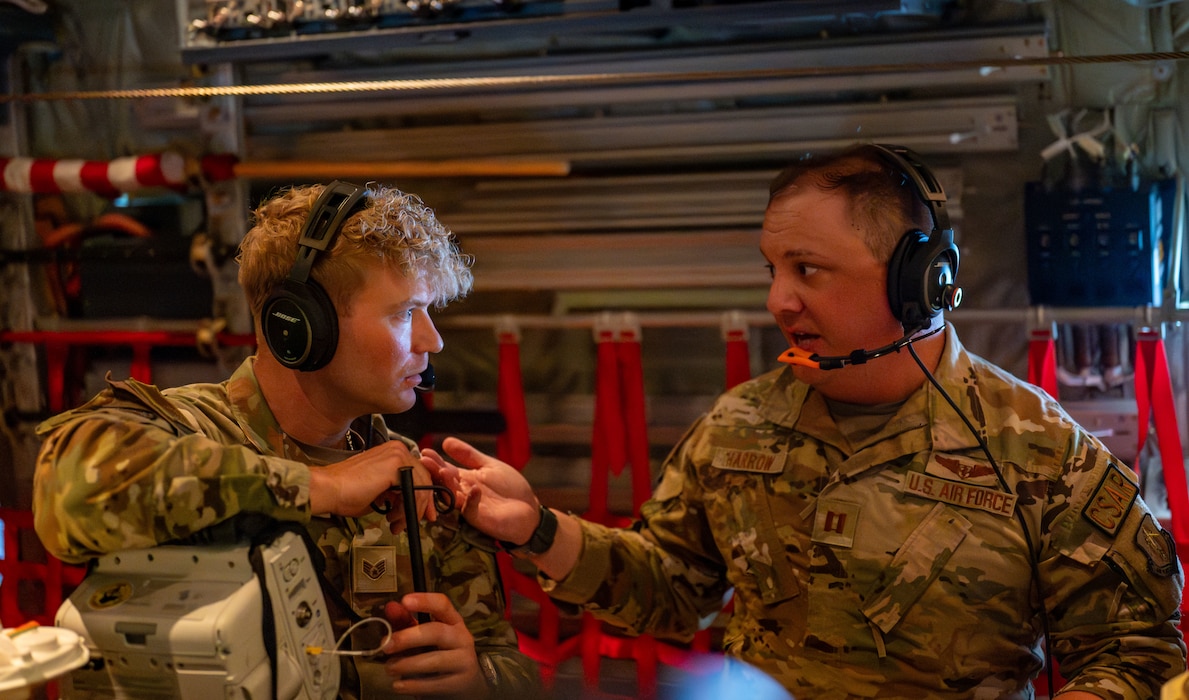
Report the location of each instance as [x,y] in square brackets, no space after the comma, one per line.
[333,206]
[927,187]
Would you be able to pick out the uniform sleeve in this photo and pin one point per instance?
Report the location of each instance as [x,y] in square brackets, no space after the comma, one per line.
[1114,586]
[116,478]
[664,575]
[469,576]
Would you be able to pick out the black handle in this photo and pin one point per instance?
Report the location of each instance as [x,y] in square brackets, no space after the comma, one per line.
[413,533]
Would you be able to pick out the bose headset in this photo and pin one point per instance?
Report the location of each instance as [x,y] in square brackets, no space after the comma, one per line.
[298,320]
[922,272]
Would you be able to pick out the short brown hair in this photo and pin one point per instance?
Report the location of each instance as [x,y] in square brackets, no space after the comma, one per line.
[884,199]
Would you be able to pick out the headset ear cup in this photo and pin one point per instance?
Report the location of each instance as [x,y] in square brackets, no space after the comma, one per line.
[904,281]
[922,278]
[300,325]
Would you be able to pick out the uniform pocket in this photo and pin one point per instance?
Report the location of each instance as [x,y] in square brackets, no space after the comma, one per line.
[915,566]
[760,544]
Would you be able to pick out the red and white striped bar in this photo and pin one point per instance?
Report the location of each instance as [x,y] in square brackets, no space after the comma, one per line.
[107,178]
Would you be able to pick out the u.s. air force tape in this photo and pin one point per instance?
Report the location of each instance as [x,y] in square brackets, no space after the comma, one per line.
[985,498]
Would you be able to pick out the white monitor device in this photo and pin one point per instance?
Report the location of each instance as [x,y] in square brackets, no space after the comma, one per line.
[189,622]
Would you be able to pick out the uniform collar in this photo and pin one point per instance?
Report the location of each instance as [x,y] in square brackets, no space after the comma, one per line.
[252,412]
[924,421]
[260,426]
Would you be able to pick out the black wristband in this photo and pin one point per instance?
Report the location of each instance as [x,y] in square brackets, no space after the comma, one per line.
[541,540]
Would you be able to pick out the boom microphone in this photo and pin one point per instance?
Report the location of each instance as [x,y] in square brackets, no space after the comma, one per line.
[804,358]
[427,379]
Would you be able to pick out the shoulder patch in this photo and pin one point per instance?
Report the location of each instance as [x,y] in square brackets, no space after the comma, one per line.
[1157,545]
[1111,501]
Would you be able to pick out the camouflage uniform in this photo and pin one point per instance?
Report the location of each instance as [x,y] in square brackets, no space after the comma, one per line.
[896,568]
[136,467]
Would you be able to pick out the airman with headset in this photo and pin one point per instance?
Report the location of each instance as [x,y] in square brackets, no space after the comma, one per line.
[341,280]
[895,516]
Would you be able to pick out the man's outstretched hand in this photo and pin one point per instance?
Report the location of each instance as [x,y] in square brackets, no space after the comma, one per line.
[490,494]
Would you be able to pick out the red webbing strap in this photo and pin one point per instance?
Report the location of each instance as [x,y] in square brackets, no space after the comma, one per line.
[596,646]
[62,353]
[426,397]
[738,358]
[620,424]
[56,356]
[546,646]
[631,375]
[1042,361]
[608,448]
[1154,396]
[512,445]
[142,363]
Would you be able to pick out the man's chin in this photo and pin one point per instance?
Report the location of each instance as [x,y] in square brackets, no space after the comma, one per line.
[810,375]
[403,402]
[396,402]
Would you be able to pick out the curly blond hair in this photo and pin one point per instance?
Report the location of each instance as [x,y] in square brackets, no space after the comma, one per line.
[393,227]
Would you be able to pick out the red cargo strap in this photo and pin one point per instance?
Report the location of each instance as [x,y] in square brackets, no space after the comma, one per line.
[620,435]
[1042,361]
[735,335]
[1154,396]
[512,445]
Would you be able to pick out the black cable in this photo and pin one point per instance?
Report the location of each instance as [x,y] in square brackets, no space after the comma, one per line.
[1033,552]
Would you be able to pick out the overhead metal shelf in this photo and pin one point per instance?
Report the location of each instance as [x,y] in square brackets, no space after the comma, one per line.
[738,74]
[542,26]
[726,135]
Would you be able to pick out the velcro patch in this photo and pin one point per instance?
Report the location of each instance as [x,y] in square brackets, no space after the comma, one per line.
[1111,502]
[962,468]
[956,493]
[374,568]
[755,461]
[836,523]
[1157,545]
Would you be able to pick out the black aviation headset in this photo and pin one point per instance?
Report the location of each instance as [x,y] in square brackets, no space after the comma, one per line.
[923,269]
[298,320]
